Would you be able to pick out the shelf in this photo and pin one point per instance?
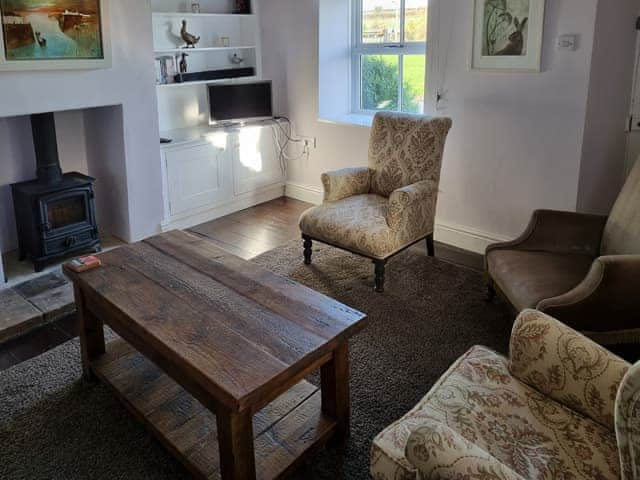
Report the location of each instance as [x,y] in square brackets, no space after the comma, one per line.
[164,51]
[204,82]
[202,15]
[283,431]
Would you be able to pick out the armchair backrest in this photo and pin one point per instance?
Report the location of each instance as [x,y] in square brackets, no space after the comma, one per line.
[405,149]
[622,233]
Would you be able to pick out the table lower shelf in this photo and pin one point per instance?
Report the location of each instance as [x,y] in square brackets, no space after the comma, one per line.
[284,431]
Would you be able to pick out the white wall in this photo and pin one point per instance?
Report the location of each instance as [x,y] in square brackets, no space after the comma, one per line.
[516,144]
[130,83]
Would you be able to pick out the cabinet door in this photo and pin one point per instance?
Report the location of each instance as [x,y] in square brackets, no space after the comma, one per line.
[198,176]
[256,162]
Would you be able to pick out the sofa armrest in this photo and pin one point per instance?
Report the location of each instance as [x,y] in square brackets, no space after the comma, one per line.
[438,452]
[610,290]
[412,209]
[566,366]
[628,423]
[559,232]
[346,183]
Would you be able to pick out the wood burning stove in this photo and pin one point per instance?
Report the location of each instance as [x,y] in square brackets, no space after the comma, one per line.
[55,214]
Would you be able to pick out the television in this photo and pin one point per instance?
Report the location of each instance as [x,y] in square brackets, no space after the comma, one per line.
[239,102]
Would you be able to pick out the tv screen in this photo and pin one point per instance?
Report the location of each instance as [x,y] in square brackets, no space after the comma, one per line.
[240,102]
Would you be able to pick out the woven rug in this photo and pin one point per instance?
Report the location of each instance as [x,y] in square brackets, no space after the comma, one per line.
[52,426]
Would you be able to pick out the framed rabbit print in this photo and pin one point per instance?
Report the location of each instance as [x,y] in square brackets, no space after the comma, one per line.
[507,35]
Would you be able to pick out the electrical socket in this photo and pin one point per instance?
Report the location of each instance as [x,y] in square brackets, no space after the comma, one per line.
[310,142]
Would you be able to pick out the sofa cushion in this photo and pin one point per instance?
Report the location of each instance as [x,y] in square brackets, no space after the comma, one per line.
[356,223]
[526,278]
[528,433]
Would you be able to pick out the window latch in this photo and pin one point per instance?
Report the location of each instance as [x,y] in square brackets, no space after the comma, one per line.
[394,46]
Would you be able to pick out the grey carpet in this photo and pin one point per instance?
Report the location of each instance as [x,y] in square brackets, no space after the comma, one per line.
[54,427]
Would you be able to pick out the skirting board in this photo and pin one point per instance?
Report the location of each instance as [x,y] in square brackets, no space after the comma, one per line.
[180,222]
[466,238]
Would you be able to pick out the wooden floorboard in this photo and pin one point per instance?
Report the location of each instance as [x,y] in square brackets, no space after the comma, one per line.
[247,234]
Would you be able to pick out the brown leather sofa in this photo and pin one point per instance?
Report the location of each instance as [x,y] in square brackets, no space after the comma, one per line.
[582,269]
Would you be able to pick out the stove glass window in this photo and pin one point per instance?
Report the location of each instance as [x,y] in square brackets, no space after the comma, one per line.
[67,211]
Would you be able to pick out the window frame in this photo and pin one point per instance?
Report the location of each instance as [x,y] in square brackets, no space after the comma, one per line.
[360,48]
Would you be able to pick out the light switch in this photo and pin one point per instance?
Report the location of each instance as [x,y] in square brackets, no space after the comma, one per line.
[568,43]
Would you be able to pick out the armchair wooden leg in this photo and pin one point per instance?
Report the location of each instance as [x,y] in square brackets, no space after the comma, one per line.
[431,248]
[308,243]
[380,270]
[491,293]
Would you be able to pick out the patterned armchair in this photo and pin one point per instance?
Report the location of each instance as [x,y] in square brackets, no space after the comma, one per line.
[561,407]
[379,210]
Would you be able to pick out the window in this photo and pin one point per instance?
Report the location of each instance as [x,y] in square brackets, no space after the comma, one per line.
[389,55]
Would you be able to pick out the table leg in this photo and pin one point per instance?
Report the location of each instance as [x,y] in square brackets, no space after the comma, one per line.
[91,332]
[235,440]
[335,390]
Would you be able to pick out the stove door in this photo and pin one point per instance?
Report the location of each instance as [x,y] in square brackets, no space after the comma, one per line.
[67,212]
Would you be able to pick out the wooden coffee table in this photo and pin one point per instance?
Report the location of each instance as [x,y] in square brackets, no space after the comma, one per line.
[214,352]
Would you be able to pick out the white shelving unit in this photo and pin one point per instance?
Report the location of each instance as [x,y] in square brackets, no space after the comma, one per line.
[184,105]
[210,172]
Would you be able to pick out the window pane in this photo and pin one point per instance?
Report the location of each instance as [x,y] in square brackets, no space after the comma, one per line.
[380,77]
[413,85]
[380,21]
[415,20]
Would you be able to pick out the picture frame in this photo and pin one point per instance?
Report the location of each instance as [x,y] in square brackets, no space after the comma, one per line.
[507,35]
[100,61]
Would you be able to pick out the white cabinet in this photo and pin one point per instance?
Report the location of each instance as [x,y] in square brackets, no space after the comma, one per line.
[256,162]
[198,176]
[210,173]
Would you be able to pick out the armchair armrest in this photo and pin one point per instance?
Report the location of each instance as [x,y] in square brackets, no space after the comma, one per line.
[559,232]
[609,291]
[412,209]
[438,452]
[566,366]
[346,183]
[628,423]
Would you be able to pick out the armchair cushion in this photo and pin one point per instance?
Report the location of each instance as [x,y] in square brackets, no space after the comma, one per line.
[356,223]
[346,183]
[566,366]
[527,277]
[484,410]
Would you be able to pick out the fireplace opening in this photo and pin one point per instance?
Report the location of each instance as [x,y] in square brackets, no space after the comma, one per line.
[55,213]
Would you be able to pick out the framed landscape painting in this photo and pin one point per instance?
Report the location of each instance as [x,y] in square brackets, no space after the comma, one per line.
[54,34]
[508,35]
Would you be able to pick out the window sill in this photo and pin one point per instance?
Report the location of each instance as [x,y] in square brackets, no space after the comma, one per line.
[351,119]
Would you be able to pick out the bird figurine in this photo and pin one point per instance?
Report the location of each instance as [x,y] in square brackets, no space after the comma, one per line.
[183,63]
[190,40]
[41,40]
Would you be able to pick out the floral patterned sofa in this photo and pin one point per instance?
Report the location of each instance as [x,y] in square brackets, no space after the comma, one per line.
[560,407]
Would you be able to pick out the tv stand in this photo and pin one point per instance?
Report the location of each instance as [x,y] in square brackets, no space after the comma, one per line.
[212,171]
